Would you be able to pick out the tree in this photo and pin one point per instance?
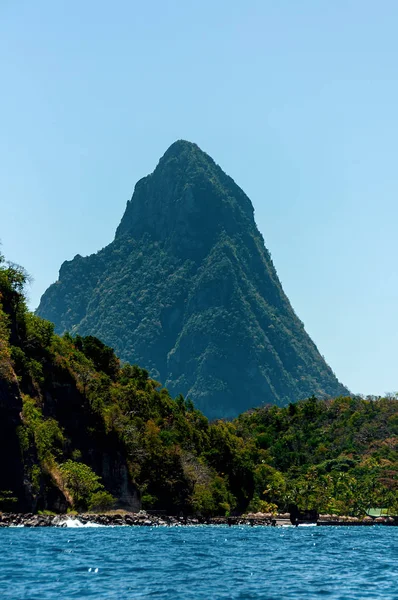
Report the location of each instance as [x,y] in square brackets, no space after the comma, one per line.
[103,356]
[81,481]
[13,279]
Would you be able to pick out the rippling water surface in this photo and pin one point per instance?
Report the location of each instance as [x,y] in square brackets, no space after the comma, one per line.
[200,562]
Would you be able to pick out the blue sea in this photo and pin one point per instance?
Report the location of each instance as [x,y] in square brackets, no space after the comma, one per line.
[199,562]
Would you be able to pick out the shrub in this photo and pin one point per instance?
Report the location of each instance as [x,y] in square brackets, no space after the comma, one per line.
[101,501]
[39,332]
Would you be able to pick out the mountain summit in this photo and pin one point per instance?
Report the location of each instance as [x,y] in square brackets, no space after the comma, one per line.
[188,290]
[186,202]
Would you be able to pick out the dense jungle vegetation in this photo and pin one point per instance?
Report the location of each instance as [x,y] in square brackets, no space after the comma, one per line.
[70,402]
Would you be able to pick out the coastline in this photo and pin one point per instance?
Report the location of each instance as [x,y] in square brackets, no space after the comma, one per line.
[140,519]
[144,519]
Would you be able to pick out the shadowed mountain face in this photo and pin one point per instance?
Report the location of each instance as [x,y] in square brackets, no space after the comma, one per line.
[188,290]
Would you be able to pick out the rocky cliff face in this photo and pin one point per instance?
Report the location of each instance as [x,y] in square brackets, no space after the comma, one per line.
[188,290]
[31,488]
[11,470]
[65,404]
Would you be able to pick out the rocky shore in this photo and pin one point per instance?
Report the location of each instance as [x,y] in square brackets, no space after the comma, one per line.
[145,519]
[142,519]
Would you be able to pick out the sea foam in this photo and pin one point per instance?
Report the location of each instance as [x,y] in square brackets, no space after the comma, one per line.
[71,522]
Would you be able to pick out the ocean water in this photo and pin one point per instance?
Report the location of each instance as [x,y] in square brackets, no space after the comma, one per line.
[199,562]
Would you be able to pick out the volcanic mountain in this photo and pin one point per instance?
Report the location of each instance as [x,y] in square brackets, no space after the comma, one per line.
[188,291]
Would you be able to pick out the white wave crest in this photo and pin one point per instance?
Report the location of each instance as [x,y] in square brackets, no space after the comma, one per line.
[71,522]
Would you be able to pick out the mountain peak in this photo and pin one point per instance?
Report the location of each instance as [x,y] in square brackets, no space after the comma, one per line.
[187,157]
[180,147]
[188,291]
[187,198]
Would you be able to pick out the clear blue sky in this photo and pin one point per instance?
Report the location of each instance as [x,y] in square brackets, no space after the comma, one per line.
[296,100]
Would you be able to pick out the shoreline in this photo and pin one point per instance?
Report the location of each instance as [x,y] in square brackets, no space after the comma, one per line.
[140,519]
[144,519]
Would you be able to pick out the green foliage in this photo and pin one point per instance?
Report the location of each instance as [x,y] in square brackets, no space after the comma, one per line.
[79,404]
[13,279]
[338,456]
[46,433]
[76,455]
[19,359]
[84,484]
[148,501]
[39,332]
[103,357]
[35,478]
[101,501]
[203,502]
[6,371]
[258,505]
[7,500]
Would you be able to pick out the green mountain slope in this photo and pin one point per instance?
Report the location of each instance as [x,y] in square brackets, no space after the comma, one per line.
[188,290]
[79,430]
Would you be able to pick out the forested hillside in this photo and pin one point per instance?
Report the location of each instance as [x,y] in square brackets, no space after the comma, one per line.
[337,456]
[78,429]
